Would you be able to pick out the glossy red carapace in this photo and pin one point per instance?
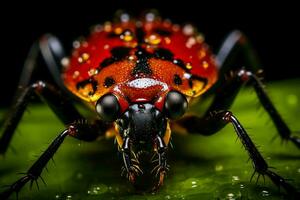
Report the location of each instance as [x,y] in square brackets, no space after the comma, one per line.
[140,60]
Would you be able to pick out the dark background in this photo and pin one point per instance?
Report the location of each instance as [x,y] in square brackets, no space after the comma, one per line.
[272,28]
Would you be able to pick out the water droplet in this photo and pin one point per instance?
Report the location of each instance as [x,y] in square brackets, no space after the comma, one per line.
[98,28]
[188,30]
[57,196]
[230,196]
[200,38]
[194,184]
[131,58]
[124,17]
[106,47]
[69,197]
[219,168]
[265,193]
[190,42]
[65,62]
[292,100]
[167,40]
[107,26]
[79,175]
[167,197]
[97,189]
[127,36]
[83,58]
[76,74]
[118,30]
[205,64]
[153,39]
[150,17]
[76,44]
[201,54]
[92,72]
[235,178]
[189,66]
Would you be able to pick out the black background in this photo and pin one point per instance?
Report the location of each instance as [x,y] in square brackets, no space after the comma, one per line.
[272,28]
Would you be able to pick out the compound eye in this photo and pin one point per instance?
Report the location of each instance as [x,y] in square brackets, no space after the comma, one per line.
[108,107]
[175,104]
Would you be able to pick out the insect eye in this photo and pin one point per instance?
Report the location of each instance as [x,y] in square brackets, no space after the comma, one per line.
[108,107]
[175,104]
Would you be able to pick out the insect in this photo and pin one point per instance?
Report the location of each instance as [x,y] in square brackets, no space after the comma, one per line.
[139,76]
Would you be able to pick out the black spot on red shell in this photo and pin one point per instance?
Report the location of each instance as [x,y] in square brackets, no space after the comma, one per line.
[109,81]
[198,78]
[142,65]
[118,54]
[164,54]
[91,81]
[177,80]
[163,32]
[106,62]
[180,63]
[113,35]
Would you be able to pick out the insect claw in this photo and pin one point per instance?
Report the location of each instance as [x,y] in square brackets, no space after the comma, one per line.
[37,184]
[31,183]
[237,138]
[43,180]
[248,160]
[252,176]
[257,178]
[53,161]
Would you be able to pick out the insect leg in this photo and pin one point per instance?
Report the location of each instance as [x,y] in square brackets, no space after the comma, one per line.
[222,118]
[234,45]
[52,52]
[259,164]
[224,98]
[78,130]
[129,167]
[58,102]
[162,167]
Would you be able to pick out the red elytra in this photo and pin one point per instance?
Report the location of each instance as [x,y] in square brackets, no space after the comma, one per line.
[140,60]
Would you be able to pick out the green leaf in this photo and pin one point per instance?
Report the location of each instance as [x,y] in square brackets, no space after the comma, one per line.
[213,167]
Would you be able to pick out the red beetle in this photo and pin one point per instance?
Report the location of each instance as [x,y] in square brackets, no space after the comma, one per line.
[139,76]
